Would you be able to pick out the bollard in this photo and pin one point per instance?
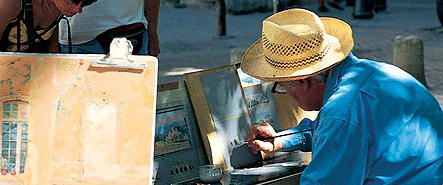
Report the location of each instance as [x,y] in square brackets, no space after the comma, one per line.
[278,5]
[408,55]
[363,9]
[220,18]
[275,4]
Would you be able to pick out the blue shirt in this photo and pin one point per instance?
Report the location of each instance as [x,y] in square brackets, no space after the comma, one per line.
[378,125]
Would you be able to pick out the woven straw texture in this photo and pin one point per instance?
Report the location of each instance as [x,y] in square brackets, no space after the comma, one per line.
[297,44]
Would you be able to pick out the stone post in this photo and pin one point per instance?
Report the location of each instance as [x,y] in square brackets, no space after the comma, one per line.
[220,18]
[275,4]
[408,55]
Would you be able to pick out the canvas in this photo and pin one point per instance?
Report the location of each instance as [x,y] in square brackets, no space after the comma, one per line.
[84,124]
[222,115]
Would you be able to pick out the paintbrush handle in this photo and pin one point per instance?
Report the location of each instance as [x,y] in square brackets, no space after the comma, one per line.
[287,134]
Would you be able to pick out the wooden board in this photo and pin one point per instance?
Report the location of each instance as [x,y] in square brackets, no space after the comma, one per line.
[86,125]
[221,113]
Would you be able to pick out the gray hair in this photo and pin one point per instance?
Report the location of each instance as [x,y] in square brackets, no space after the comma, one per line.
[325,75]
[320,77]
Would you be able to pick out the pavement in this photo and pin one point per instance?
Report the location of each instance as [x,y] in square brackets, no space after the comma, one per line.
[189,42]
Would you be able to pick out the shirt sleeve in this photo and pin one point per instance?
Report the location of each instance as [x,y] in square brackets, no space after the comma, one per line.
[301,141]
[339,155]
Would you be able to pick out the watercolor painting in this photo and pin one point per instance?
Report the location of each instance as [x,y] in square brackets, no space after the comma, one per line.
[177,137]
[223,94]
[64,122]
[261,104]
[247,80]
[171,132]
[14,109]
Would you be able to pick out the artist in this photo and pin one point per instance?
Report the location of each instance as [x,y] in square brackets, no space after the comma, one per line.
[376,123]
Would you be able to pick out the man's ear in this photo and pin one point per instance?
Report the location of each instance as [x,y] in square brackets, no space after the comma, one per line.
[304,83]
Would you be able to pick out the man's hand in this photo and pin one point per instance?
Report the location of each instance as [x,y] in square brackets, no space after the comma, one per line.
[257,132]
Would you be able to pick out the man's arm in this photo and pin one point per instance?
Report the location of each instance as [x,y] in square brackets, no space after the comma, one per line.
[301,141]
[152,12]
[340,155]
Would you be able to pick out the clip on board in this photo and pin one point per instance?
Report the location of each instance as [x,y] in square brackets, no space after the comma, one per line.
[119,56]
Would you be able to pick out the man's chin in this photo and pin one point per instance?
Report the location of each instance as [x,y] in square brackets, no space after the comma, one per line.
[310,108]
[67,14]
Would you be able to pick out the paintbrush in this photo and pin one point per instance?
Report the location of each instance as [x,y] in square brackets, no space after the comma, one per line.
[287,134]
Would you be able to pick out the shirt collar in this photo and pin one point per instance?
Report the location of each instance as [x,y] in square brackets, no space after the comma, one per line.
[339,71]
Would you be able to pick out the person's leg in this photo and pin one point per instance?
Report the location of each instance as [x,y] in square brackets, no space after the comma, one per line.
[91,47]
[334,4]
[321,3]
[321,6]
[380,5]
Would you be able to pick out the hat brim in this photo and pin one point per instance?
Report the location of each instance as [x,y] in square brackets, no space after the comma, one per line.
[339,35]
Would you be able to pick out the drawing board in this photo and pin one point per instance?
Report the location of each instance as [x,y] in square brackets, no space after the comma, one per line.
[224,114]
[227,102]
[85,124]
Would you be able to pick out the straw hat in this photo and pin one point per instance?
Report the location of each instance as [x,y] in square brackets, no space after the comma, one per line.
[297,44]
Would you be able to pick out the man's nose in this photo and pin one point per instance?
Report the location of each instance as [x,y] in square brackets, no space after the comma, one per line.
[78,8]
